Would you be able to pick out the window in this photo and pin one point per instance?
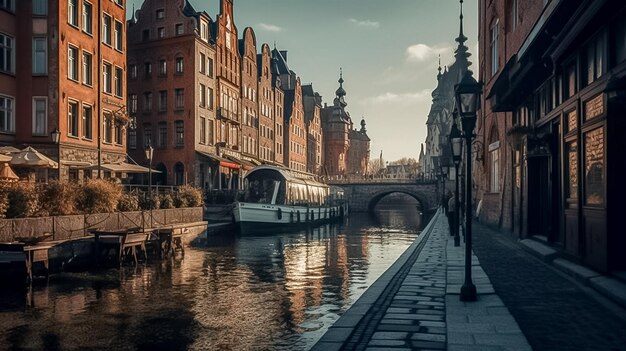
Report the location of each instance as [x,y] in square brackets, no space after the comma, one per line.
[210,67]
[179,65]
[119,2]
[161,32]
[40,105]
[162,68]
[210,98]
[180,29]
[40,7]
[132,70]
[594,167]
[494,158]
[204,31]
[145,35]
[147,102]
[147,135]
[106,78]
[147,69]
[6,53]
[119,81]
[106,29]
[494,48]
[40,55]
[132,139]
[595,59]
[118,133]
[72,118]
[72,12]
[619,39]
[162,141]
[7,5]
[210,137]
[132,103]
[180,133]
[202,64]
[87,121]
[108,128]
[162,100]
[87,75]
[118,36]
[72,63]
[202,96]
[160,14]
[179,98]
[202,130]
[87,23]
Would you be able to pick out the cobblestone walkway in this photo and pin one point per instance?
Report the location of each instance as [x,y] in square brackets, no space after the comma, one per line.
[553,312]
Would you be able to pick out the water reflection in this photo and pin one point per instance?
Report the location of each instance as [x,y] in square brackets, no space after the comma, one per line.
[228,293]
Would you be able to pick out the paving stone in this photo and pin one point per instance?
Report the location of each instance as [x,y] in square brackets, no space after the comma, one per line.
[461,338]
[429,337]
[390,335]
[428,345]
[388,343]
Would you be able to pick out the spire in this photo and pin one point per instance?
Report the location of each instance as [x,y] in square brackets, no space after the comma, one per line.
[439,68]
[363,130]
[340,91]
[461,53]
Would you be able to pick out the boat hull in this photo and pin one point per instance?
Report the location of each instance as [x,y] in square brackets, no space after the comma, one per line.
[255,217]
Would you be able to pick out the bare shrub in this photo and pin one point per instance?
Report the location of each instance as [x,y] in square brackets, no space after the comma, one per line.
[99,196]
[188,196]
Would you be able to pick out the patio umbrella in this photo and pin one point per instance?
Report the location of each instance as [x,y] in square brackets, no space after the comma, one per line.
[6,173]
[5,158]
[30,157]
[8,150]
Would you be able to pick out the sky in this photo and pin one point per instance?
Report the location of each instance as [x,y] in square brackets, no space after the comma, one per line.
[388,50]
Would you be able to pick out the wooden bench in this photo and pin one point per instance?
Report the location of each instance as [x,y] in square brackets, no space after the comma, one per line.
[171,239]
[38,253]
[126,241]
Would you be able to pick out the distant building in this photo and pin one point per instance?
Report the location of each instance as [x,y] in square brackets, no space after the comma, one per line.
[249,101]
[267,125]
[336,124]
[59,74]
[172,92]
[312,103]
[359,151]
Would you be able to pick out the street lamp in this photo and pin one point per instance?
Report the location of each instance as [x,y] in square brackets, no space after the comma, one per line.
[467,94]
[457,144]
[56,138]
[149,153]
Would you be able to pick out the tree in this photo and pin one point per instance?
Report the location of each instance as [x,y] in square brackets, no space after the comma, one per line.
[376,166]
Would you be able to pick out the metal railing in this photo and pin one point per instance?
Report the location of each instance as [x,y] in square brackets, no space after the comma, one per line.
[377,180]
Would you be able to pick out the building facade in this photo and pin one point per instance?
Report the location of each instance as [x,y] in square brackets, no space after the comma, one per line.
[312,104]
[336,124]
[249,99]
[64,69]
[267,125]
[359,151]
[172,92]
[555,81]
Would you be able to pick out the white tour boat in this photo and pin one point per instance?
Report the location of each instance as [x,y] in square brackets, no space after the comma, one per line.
[276,197]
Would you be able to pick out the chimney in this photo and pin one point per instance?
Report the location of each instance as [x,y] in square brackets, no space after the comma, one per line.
[283,53]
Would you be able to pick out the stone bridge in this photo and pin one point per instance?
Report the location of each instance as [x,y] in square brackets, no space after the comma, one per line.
[363,195]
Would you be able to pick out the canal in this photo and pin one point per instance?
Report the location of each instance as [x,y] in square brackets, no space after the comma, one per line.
[273,292]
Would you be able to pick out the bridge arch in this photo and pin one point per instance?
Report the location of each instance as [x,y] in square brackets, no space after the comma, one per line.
[376,197]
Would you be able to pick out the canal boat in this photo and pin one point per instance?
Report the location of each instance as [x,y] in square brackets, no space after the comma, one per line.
[278,197]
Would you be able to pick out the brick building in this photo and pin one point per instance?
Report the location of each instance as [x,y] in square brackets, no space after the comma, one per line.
[267,126]
[359,151]
[64,66]
[312,103]
[172,92]
[555,81]
[294,134]
[336,124]
[249,101]
[279,107]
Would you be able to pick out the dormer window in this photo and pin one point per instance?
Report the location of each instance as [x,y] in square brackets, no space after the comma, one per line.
[160,14]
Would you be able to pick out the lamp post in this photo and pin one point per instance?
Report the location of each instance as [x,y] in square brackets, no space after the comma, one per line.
[457,143]
[445,168]
[149,153]
[56,138]
[467,94]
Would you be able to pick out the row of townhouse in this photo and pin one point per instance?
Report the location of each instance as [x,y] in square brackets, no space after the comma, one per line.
[208,102]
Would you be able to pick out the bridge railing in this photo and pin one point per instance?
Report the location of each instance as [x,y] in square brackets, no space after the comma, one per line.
[379,180]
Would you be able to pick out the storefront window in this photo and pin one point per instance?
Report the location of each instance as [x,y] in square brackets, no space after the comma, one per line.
[572,171]
[594,167]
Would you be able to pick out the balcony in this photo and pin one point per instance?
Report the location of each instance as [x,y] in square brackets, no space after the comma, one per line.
[227,115]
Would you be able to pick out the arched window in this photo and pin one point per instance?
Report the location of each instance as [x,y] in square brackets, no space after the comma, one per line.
[179,174]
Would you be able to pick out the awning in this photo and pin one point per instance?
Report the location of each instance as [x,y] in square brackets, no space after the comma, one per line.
[246,165]
[76,164]
[29,157]
[222,161]
[123,167]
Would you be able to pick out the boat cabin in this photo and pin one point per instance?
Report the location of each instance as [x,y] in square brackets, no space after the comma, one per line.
[278,186]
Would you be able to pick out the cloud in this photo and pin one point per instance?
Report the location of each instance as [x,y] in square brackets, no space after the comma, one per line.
[270,27]
[408,98]
[364,23]
[423,52]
